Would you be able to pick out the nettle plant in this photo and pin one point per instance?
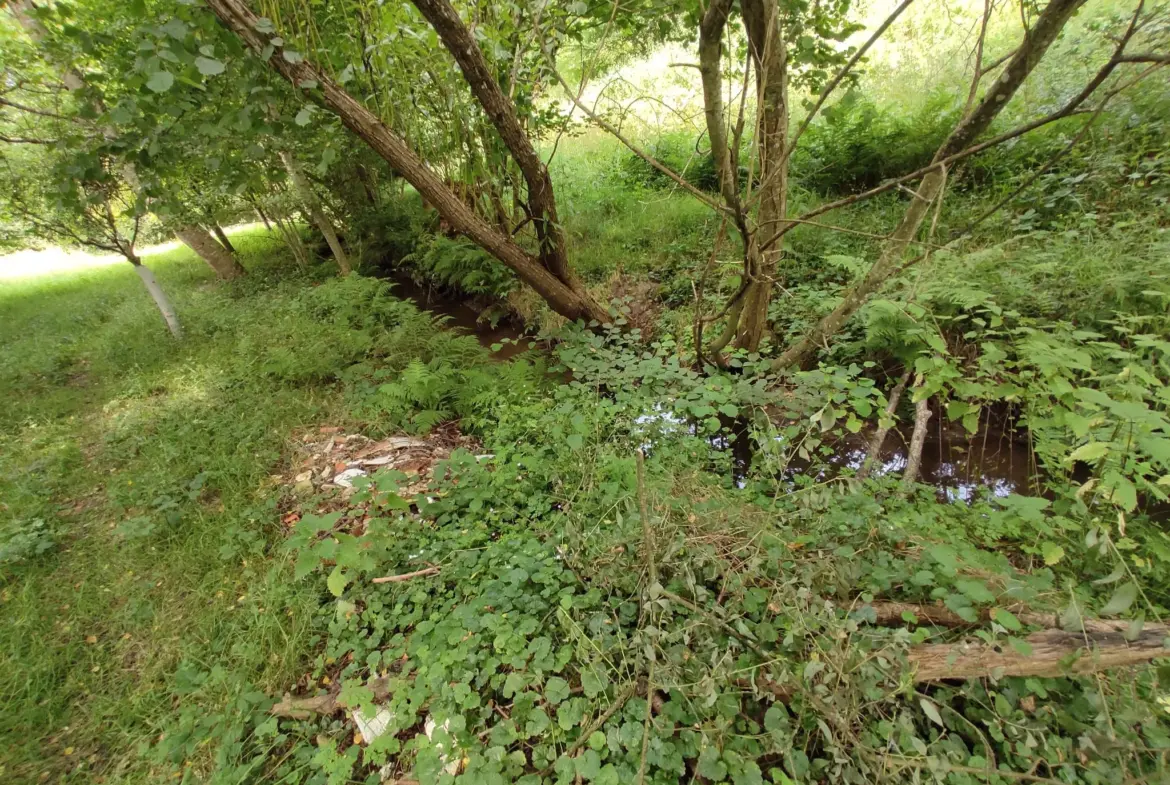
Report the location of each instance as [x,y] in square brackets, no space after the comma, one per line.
[1092,407]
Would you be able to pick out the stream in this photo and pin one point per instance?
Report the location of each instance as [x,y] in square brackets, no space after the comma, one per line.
[461,316]
[959,465]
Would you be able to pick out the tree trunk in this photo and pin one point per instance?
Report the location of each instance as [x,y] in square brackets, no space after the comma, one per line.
[500,110]
[1036,42]
[159,297]
[569,302]
[292,239]
[917,441]
[224,240]
[25,13]
[263,217]
[711,74]
[874,451]
[316,214]
[206,248]
[766,41]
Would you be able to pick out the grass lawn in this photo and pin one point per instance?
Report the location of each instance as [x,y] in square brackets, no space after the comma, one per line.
[139,577]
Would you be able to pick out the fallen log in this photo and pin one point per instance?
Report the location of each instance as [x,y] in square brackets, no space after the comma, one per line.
[893,614]
[1053,653]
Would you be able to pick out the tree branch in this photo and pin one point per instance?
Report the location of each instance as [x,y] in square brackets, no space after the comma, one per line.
[31,110]
[610,129]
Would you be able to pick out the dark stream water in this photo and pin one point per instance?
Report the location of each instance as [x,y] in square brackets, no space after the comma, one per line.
[961,466]
[462,316]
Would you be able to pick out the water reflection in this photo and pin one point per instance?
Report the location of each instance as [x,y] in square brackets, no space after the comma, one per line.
[961,467]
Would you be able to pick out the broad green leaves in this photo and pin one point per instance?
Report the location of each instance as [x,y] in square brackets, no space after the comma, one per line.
[160,81]
[209,66]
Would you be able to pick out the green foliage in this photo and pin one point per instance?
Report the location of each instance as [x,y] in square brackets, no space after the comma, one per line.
[157,596]
[458,264]
[856,144]
[678,153]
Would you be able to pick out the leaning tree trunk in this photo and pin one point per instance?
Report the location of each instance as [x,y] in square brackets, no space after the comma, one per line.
[158,295]
[481,77]
[917,442]
[570,302]
[204,245]
[766,41]
[224,240]
[316,214]
[1036,42]
[873,452]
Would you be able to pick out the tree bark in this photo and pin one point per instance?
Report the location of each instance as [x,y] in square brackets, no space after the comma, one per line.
[766,42]
[1054,653]
[316,214]
[159,296]
[1036,42]
[224,240]
[565,300]
[874,450]
[501,111]
[917,440]
[711,74]
[891,614]
[206,248]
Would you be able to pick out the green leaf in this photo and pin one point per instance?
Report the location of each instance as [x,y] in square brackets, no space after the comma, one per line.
[175,28]
[946,556]
[710,766]
[292,56]
[1122,492]
[337,581]
[975,589]
[1090,452]
[307,561]
[750,774]
[931,711]
[575,441]
[593,683]
[1121,599]
[160,81]
[208,66]
[597,740]
[354,693]
[589,764]
[556,690]
[1052,553]
[1007,619]
[304,117]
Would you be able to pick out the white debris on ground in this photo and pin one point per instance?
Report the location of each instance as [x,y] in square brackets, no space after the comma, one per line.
[326,459]
[329,459]
[450,760]
[371,727]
